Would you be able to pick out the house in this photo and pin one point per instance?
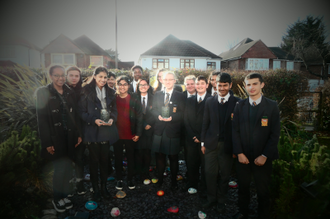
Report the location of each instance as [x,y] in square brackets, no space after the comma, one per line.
[173,53]
[81,52]
[255,55]
[15,49]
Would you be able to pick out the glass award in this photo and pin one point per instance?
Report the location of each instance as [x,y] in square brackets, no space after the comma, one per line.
[165,112]
[105,115]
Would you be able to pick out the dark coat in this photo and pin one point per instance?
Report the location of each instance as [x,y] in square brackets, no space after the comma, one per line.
[172,128]
[193,119]
[265,138]
[210,128]
[135,114]
[146,137]
[89,108]
[48,106]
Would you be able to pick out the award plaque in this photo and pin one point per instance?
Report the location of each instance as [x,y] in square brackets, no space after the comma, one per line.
[105,115]
[165,112]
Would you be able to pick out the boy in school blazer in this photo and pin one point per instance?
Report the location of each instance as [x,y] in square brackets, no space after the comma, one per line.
[256,131]
[193,120]
[217,142]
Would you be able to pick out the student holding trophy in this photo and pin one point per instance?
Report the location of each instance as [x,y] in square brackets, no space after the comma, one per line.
[97,107]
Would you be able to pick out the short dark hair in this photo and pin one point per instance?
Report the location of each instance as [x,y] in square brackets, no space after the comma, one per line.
[254,75]
[223,78]
[121,78]
[137,66]
[111,75]
[201,78]
[51,69]
[100,69]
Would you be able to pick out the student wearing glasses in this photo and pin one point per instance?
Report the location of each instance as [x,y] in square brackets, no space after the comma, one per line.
[167,128]
[129,126]
[143,146]
[58,124]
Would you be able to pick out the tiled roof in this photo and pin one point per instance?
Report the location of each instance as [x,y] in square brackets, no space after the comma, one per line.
[62,44]
[281,54]
[89,47]
[172,46]
[239,49]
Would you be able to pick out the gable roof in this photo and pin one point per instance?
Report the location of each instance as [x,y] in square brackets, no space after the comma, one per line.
[239,49]
[62,44]
[172,46]
[16,40]
[281,54]
[89,47]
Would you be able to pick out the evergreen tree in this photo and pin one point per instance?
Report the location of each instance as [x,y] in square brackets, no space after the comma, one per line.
[306,40]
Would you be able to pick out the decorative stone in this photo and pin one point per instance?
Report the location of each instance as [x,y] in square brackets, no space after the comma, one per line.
[154,180]
[91,205]
[201,215]
[179,177]
[49,211]
[173,209]
[232,184]
[192,190]
[87,177]
[146,182]
[120,194]
[115,212]
[160,193]
[110,178]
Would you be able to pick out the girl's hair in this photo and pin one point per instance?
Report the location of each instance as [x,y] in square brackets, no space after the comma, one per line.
[121,78]
[51,68]
[97,71]
[149,91]
[210,87]
[158,85]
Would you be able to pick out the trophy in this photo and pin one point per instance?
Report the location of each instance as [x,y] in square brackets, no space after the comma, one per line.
[165,112]
[105,115]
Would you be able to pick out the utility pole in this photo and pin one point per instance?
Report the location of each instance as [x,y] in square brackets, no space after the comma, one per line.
[116,37]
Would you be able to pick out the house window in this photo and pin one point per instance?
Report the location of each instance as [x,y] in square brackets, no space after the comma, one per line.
[160,63]
[289,65]
[96,60]
[257,64]
[187,63]
[7,52]
[211,65]
[276,64]
[63,59]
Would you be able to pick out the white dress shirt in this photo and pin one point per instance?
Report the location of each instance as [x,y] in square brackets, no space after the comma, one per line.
[226,98]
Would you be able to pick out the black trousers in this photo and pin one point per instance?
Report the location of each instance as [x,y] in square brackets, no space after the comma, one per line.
[262,178]
[218,165]
[195,159]
[61,178]
[118,150]
[98,156]
[161,164]
[79,163]
[142,161]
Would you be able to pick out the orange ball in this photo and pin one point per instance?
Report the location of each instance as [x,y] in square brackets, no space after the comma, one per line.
[160,193]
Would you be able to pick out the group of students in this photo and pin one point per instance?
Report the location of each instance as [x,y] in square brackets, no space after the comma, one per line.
[214,126]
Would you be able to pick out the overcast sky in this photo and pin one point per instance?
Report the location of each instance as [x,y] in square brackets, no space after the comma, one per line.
[212,24]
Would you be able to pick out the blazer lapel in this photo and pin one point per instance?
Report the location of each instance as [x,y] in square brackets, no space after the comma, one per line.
[246,115]
[215,107]
[231,105]
[261,109]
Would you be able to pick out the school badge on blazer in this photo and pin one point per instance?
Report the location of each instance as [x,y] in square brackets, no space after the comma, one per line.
[232,116]
[264,121]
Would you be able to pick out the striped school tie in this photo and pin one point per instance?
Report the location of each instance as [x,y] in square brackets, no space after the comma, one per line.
[200,100]
[167,100]
[254,103]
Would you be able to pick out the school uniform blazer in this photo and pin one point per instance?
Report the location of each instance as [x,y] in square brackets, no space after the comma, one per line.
[210,128]
[51,132]
[265,136]
[89,108]
[193,117]
[172,128]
